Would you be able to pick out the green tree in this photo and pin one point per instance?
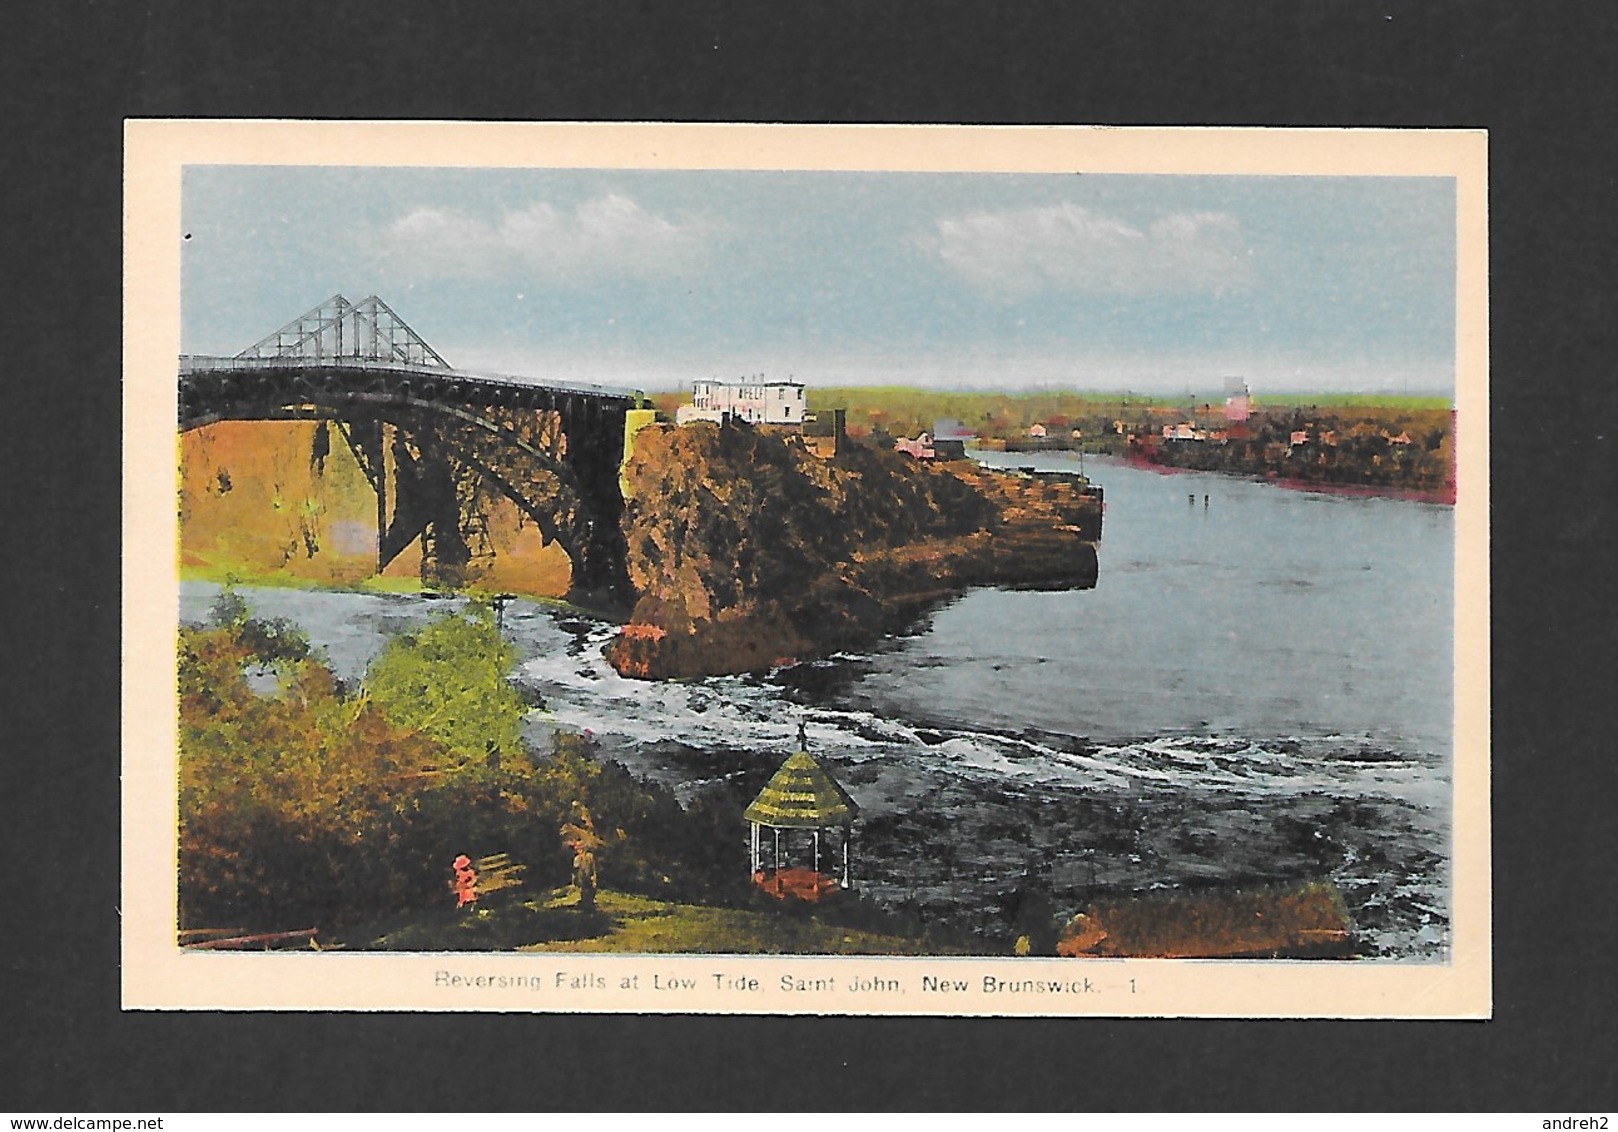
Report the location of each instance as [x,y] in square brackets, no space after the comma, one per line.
[448,682]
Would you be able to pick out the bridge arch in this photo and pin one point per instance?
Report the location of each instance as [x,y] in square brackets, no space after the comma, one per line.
[552,450]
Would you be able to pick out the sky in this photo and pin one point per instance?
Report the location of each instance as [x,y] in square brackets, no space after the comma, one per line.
[651,279]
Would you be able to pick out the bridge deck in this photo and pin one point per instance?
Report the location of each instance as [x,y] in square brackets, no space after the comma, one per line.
[193,364]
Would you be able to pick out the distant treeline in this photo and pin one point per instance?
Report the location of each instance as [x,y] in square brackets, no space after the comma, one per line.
[1378,441]
[1397,450]
[1006,415]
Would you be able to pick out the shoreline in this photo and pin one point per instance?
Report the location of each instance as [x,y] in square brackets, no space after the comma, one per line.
[1443,497]
[378,585]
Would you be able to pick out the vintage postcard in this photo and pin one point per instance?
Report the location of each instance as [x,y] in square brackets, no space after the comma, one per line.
[806,570]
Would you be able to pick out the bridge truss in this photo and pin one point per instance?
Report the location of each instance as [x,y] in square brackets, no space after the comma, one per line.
[368,330]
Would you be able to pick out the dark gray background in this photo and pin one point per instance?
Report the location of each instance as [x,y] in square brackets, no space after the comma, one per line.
[1537,76]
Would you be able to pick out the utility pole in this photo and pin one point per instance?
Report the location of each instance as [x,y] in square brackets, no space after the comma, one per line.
[500,601]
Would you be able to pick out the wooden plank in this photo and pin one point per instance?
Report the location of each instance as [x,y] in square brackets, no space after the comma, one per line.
[263,939]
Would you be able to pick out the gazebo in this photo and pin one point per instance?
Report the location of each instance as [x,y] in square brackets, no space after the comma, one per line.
[800,795]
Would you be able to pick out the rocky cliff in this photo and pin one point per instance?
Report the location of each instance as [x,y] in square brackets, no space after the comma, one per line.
[748,550]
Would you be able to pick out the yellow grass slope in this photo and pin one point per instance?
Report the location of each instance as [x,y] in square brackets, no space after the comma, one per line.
[260,503]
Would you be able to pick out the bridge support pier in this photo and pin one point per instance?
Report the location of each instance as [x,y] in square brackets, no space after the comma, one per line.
[594,454]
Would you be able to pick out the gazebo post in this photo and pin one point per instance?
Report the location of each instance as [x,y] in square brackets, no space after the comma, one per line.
[848,831]
[777,847]
[817,850]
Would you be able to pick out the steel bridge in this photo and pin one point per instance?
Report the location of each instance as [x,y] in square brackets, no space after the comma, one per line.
[434,441]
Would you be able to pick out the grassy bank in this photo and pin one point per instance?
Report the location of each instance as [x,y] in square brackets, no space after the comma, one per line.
[232,575]
[1288,921]
[228,572]
[627,923]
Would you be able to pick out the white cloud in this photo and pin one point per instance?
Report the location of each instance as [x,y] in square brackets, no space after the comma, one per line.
[1069,248]
[608,236]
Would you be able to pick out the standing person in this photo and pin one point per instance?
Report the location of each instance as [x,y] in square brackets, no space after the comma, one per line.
[579,835]
[465,884]
[584,875]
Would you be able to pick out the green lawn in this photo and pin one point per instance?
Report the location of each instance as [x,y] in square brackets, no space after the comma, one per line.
[626,923]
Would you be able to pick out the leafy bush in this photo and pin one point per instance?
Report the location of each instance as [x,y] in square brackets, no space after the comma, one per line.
[447,681]
[307,805]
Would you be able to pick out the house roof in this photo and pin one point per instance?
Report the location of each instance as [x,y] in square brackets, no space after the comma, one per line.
[801,795]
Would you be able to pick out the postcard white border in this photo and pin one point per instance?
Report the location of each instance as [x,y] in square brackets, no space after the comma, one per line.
[157,974]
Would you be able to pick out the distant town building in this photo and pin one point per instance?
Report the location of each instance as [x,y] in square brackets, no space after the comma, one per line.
[1037,431]
[752,400]
[950,438]
[1184,431]
[1239,405]
[920,448]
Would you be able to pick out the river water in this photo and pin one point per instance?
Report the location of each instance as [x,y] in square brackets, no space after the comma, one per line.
[1257,689]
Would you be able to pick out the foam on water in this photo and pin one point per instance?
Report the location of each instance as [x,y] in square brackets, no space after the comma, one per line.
[581,690]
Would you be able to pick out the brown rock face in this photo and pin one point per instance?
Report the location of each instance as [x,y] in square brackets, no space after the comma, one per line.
[1298,921]
[748,551]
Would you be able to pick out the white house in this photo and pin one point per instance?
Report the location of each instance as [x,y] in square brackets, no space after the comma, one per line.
[920,448]
[753,401]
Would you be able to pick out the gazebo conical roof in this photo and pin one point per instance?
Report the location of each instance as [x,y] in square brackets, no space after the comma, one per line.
[801,795]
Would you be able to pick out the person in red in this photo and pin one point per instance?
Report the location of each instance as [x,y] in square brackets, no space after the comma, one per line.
[465,884]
